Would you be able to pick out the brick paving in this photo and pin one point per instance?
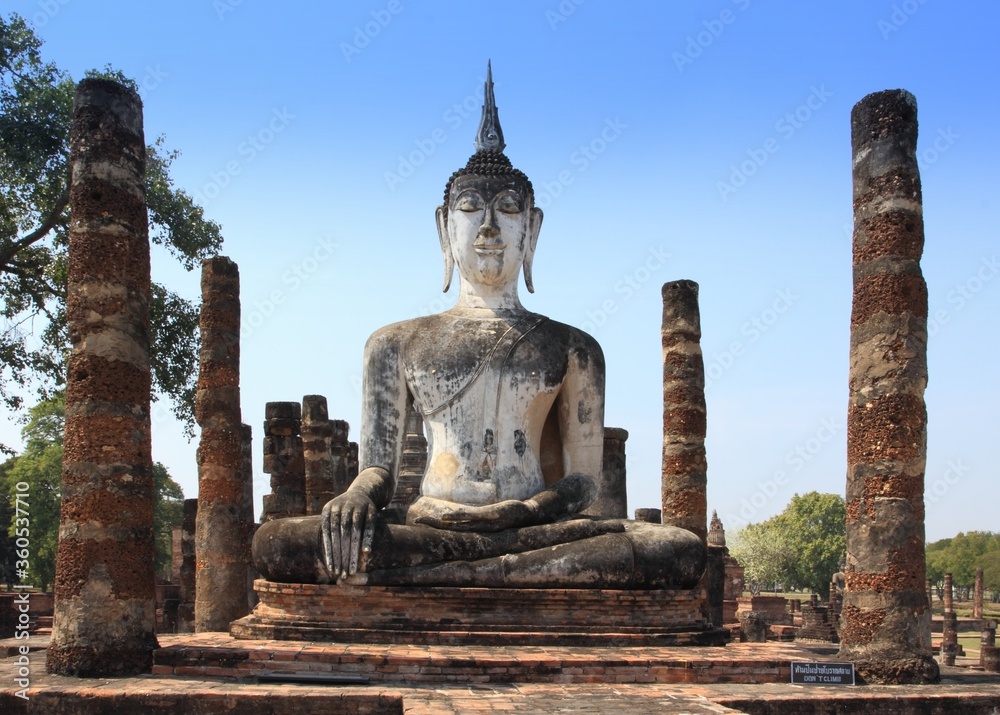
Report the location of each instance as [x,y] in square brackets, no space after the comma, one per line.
[964,690]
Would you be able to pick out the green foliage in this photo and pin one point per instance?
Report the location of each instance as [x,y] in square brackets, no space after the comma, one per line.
[764,552]
[961,555]
[815,526]
[35,114]
[990,564]
[8,553]
[799,548]
[40,466]
[168,512]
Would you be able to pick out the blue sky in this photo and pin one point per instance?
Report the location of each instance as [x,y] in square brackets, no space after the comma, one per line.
[705,140]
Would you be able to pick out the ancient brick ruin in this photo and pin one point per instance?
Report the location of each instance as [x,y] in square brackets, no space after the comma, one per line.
[221,528]
[104,583]
[284,461]
[885,625]
[685,470]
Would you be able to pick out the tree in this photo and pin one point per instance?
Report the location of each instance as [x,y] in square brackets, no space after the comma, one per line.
[35,115]
[168,512]
[40,468]
[961,555]
[815,527]
[990,564]
[8,548]
[764,552]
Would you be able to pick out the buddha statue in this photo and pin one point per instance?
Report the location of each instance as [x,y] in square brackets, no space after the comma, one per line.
[513,408]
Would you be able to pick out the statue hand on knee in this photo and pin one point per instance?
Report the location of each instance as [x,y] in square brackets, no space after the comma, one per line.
[348,528]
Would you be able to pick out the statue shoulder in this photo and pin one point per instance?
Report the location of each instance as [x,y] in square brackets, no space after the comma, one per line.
[395,336]
[579,344]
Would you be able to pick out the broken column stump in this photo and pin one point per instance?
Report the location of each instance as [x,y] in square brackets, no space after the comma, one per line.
[989,654]
[612,499]
[684,470]
[317,437]
[885,621]
[105,601]
[284,461]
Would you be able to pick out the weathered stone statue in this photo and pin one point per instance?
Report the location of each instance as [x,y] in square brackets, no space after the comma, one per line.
[513,407]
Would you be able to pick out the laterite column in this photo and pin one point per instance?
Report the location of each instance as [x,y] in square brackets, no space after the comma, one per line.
[317,436]
[685,469]
[885,627]
[221,528]
[105,603]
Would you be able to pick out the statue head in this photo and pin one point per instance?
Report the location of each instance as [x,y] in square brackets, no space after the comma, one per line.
[488,224]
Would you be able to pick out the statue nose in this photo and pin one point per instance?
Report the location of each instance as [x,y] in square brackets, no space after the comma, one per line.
[489,228]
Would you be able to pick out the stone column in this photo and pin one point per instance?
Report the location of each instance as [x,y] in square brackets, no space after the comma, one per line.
[988,657]
[246,434]
[221,528]
[284,461]
[612,501]
[977,596]
[317,437]
[185,609]
[176,555]
[886,617]
[105,602]
[949,594]
[685,469]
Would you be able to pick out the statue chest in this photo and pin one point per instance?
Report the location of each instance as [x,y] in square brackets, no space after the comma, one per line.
[484,400]
[484,372]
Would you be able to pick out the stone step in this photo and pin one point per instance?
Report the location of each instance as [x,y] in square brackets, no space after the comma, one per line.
[246,659]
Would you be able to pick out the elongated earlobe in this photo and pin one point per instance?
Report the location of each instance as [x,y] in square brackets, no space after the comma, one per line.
[441,216]
[534,226]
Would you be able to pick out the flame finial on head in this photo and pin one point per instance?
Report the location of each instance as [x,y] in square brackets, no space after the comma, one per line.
[489,136]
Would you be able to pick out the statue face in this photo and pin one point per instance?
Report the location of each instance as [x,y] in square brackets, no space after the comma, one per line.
[490,228]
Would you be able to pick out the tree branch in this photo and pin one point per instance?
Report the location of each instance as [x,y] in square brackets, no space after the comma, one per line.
[47,225]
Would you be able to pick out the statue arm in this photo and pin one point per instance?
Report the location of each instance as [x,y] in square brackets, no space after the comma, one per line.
[580,406]
[348,520]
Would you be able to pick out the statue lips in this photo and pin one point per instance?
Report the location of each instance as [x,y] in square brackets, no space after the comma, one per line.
[483,248]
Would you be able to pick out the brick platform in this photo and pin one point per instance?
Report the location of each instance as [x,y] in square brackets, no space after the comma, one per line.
[455,616]
[961,690]
[214,655]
